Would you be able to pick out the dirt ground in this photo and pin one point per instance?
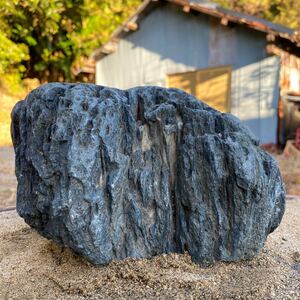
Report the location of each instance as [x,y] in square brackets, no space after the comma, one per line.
[32,267]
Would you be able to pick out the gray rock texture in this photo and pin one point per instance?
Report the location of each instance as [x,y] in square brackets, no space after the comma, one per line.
[135,173]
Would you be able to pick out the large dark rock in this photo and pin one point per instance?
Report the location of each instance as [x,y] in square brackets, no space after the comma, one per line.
[114,174]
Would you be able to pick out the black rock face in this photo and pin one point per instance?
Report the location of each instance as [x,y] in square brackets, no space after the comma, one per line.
[114,174]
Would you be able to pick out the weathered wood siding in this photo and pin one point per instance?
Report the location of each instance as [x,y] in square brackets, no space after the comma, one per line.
[171,41]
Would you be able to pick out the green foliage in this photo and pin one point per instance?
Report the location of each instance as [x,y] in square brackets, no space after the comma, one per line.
[46,28]
[44,39]
[103,16]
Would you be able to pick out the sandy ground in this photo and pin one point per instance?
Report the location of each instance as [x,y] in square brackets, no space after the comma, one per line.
[8,180]
[32,267]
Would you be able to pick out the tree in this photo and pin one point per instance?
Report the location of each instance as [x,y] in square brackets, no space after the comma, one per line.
[47,29]
[102,18]
[43,39]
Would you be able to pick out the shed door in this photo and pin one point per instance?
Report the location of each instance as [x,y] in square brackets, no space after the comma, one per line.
[211,85]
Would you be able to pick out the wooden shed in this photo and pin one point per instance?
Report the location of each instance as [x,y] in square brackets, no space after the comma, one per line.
[227,59]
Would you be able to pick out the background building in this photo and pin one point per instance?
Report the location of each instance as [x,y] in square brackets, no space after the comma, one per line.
[234,62]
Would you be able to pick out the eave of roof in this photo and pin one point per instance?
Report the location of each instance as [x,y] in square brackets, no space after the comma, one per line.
[275,30]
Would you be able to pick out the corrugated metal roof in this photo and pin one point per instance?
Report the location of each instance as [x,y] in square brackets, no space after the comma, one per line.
[204,7]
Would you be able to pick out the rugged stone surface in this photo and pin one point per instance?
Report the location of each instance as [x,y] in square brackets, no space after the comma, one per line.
[114,174]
